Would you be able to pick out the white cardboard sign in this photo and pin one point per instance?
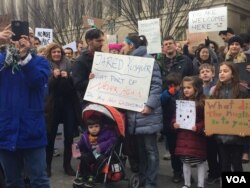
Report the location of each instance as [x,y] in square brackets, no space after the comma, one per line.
[151,29]
[120,80]
[45,35]
[185,114]
[71,45]
[208,20]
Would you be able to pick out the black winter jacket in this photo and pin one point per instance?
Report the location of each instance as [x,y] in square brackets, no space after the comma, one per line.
[80,72]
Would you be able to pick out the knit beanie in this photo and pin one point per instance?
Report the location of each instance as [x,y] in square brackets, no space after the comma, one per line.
[115,46]
[235,38]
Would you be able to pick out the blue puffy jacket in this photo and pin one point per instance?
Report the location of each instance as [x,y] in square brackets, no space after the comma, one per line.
[22,123]
[139,123]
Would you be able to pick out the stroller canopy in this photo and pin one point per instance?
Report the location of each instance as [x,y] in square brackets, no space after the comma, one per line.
[108,111]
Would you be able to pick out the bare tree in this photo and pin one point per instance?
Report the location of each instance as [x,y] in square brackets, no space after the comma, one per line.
[65,17]
[173,13]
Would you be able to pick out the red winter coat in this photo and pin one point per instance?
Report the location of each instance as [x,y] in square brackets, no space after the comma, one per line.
[191,143]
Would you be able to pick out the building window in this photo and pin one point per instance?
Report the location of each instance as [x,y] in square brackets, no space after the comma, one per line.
[181,34]
[243,24]
[98,9]
[116,7]
[119,8]
[161,4]
[139,6]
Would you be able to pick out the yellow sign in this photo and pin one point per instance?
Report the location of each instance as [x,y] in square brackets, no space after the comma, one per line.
[227,116]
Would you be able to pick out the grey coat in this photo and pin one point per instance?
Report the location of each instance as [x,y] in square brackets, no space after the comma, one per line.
[150,123]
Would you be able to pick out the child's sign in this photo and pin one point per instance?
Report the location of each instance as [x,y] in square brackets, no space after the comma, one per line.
[227,116]
[185,114]
[120,80]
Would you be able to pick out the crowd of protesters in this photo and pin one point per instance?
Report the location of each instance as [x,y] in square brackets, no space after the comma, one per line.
[42,88]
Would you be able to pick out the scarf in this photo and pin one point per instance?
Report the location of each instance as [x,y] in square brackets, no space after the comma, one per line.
[63,65]
[239,58]
[13,57]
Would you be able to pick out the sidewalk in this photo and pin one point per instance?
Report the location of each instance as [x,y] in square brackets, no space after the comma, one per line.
[60,180]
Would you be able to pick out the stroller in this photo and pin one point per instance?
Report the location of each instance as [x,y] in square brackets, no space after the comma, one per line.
[112,168]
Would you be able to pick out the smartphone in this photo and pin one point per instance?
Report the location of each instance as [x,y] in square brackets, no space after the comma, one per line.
[19,28]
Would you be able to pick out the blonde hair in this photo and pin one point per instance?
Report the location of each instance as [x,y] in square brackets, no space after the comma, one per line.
[41,49]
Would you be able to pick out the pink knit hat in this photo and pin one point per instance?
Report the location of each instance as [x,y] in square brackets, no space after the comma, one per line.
[115,46]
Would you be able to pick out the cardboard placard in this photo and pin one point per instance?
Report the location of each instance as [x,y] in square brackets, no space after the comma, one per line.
[45,35]
[120,80]
[185,114]
[112,39]
[227,116]
[89,21]
[151,29]
[71,45]
[207,20]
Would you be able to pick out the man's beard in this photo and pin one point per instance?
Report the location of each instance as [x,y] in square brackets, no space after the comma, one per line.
[99,49]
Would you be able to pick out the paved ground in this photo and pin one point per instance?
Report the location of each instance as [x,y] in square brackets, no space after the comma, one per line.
[60,180]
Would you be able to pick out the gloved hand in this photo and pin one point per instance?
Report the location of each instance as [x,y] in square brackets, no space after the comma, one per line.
[207,42]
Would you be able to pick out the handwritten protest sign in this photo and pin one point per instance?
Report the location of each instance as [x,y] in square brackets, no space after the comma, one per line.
[208,20]
[227,116]
[91,22]
[45,35]
[71,45]
[120,80]
[185,114]
[151,29]
[112,39]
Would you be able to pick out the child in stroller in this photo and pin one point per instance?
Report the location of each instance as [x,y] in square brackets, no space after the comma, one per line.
[95,143]
[102,158]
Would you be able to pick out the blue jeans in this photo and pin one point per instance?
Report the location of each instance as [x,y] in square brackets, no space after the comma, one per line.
[28,162]
[149,159]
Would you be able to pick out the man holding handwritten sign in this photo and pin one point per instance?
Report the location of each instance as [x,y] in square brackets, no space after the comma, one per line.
[83,64]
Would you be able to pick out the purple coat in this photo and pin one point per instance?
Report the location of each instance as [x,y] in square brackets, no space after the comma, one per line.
[106,139]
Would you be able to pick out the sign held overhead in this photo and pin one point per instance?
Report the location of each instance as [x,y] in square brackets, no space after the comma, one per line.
[151,30]
[208,20]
